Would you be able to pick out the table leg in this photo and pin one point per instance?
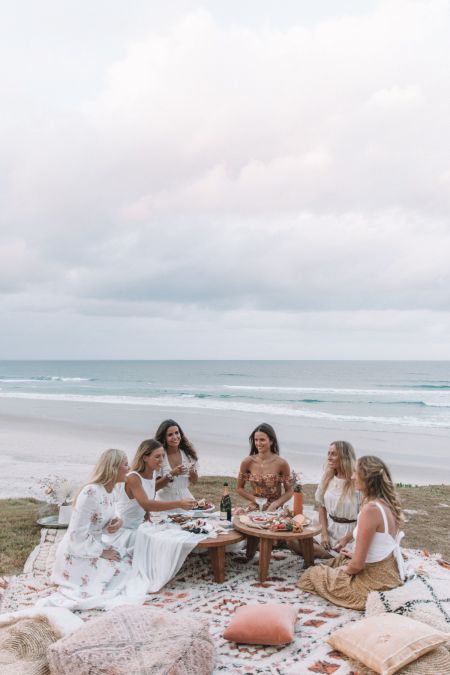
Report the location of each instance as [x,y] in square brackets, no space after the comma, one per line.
[252,545]
[265,549]
[217,555]
[308,552]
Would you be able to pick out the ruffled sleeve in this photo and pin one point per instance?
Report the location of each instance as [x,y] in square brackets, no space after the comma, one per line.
[85,524]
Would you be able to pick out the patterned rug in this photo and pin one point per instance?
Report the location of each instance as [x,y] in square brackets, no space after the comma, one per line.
[193,590]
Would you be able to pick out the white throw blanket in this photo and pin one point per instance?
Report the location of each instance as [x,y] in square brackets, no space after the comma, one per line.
[159,552]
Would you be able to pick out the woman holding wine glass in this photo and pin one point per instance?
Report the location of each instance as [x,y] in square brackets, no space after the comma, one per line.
[266,472]
[179,467]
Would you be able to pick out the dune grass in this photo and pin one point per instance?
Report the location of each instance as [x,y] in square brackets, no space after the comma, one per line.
[427,525]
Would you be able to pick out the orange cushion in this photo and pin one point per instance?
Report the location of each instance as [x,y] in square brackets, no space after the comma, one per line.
[270,624]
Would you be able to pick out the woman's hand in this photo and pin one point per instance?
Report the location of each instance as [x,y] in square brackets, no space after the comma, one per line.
[187,504]
[110,554]
[325,542]
[347,552]
[341,544]
[114,525]
[179,470]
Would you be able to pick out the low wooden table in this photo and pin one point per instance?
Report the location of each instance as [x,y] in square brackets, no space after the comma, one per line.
[265,539]
[217,551]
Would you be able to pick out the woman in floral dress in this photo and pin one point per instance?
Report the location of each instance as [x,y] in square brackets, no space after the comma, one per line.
[266,472]
[88,572]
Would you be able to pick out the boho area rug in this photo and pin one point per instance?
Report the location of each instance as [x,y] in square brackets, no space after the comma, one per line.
[193,590]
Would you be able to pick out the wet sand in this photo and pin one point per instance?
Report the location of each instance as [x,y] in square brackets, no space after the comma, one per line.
[66,438]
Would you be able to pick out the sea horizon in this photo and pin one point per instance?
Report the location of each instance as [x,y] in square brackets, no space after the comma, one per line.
[57,415]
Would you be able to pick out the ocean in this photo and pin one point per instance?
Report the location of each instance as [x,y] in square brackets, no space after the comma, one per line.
[398,409]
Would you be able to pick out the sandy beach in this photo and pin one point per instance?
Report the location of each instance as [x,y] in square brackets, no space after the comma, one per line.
[65,439]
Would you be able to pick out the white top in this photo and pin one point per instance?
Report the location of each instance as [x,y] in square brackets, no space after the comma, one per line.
[178,488]
[341,507]
[130,510]
[383,544]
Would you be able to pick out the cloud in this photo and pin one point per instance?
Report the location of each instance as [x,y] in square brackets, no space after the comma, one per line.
[227,167]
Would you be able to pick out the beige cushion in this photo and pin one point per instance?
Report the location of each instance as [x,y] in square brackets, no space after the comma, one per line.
[386,642]
[137,641]
[269,624]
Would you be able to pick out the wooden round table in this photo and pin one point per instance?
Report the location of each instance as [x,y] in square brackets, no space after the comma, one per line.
[216,548]
[265,539]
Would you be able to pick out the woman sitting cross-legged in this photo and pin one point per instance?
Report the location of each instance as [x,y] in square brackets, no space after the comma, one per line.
[376,563]
[90,573]
[136,498]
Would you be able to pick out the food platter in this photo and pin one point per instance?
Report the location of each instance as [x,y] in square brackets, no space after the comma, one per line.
[275,522]
[203,506]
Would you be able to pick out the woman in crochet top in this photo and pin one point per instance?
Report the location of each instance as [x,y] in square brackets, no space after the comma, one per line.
[266,472]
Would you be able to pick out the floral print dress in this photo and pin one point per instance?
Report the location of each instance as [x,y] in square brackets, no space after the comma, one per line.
[85,579]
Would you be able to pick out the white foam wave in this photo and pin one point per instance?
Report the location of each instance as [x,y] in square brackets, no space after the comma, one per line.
[237,406]
[53,378]
[432,399]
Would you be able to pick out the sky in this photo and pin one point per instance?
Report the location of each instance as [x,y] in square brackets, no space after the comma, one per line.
[240,179]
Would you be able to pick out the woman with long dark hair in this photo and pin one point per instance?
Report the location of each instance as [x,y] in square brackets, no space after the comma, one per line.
[376,563]
[179,466]
[265,471]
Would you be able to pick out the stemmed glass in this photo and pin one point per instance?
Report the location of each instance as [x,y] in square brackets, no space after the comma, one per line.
[261,501]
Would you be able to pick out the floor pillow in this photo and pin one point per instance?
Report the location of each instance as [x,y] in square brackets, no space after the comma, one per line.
[23,645]
[386,642]
[262,624]
[137,640]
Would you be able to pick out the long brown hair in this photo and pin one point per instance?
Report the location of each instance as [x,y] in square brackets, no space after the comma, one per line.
[347,459]
[378,484]
[185,444]
[267,429]
[146,448]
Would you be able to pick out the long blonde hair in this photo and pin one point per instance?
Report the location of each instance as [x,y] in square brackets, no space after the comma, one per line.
[146,448]
[347,459]
[378,484]
[106,469]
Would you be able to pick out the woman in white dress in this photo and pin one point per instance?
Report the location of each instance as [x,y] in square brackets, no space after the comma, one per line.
[178,469]
[88,572]
[136,499]
[339,501]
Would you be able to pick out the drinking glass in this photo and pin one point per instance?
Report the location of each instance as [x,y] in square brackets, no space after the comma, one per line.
[261,501]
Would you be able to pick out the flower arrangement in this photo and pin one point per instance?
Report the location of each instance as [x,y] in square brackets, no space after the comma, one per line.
[296,481]
[56,490]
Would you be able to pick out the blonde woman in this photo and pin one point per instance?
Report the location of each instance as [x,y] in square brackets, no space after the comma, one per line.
[136,497]
[338,500]
[376,564]
[88,572]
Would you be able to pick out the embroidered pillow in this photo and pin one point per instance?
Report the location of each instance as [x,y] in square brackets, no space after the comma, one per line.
[386,642]
[270,624]
[135,640]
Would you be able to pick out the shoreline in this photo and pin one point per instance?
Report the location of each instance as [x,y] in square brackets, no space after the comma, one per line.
[66,439]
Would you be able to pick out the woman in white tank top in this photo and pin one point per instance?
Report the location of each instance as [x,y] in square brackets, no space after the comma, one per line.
[376,563]
[136,498]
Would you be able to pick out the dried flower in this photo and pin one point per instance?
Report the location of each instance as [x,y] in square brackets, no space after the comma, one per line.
[56,490]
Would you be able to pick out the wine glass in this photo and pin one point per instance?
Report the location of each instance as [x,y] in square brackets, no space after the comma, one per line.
[261,501]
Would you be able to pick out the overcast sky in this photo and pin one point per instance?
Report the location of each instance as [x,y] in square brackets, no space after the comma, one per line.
[239,179]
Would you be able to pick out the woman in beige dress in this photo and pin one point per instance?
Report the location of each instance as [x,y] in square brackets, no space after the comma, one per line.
[376,564]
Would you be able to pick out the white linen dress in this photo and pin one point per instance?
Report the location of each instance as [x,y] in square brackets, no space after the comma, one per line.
[131,513]
[85,579]
[337,506]
[179,488]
